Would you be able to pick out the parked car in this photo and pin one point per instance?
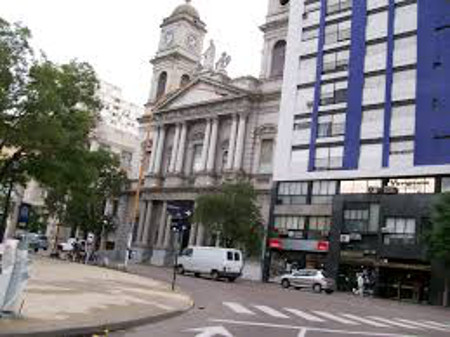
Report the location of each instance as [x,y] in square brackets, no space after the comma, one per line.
[314,279]
[215,262]
[42,241]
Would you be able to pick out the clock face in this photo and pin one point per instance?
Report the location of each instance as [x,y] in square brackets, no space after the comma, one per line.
[192,41]
[168,38]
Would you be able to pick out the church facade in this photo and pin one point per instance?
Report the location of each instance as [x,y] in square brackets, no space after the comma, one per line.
[205,129]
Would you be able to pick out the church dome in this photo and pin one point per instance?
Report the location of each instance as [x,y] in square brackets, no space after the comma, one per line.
[186,9]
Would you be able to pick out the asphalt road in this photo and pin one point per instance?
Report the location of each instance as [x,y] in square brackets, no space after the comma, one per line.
[246,309]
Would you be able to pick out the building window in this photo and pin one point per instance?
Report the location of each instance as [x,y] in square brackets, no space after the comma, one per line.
[401,148]
[266,156]
[335,6]
[331,126]
[333,93]
[292,193]
[399,231]
[184,80]
[302,124]
[197,158]
[162,82]
[323,192]
[278,58]
[310,34]
[414,186]
[328,158]
[319,227]
[445,185]
[310,7]
[338,32]
[336,61]
[356,220]
[289,223]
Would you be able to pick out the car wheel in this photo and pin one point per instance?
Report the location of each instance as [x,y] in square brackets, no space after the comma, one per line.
[180,269]
[317,288]
[285,284]
[329,291]
[197,275]
[231,279]
[215,275]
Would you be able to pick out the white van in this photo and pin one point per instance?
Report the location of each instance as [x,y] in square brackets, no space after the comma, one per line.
[216,262]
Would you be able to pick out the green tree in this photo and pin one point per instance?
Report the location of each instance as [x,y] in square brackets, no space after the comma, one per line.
[233,214]
[84,206]
[439,239]
[47,112]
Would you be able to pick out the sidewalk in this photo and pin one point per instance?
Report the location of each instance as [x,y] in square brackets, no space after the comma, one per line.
[68,299]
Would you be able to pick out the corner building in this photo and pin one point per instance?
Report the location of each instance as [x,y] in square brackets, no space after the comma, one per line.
[363,145]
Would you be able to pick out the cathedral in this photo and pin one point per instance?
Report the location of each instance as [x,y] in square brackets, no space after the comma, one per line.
[203,128]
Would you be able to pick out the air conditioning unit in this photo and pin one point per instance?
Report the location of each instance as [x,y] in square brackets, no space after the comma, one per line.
[310,104]
[374,190]
[345,238]
[390,190]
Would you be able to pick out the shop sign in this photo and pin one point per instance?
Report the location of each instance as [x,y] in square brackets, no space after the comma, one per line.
[305,245]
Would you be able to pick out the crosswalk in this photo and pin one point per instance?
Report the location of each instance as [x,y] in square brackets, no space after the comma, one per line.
[323,317]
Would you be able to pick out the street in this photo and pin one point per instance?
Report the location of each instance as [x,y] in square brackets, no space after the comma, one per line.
[246,309]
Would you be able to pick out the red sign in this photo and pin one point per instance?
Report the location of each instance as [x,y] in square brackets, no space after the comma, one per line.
[275,243]
[323,246]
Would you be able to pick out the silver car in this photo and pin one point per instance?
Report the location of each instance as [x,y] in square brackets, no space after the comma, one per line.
[314,279]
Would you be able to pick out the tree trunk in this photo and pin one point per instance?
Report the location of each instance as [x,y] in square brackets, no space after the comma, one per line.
[446,291]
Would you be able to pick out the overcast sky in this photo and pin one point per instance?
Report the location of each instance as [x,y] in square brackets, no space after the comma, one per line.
[118,37]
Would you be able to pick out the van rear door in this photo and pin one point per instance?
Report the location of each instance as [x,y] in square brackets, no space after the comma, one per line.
[233,261]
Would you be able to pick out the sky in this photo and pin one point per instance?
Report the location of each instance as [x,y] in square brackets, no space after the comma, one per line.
[119,37]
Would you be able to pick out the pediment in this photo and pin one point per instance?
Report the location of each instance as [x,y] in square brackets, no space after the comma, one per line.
[200,92]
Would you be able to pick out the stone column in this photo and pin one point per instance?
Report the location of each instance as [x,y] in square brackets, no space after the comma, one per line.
[142,210]
[240,142]
[147,224]
[213,145]
[193,235]
[168,234]
[162,225]
[181,148]
[151,165]
[232,144]
[159,150]
[200,235]
[206,145]
[173,155]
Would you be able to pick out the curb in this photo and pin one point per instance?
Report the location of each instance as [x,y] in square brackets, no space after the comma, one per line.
[99,329]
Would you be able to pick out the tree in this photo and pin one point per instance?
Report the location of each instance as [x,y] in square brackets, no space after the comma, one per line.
[439,238]
[84,207]
[47,112]
[233,214]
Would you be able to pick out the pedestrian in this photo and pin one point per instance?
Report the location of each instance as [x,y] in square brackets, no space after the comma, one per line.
[360,285]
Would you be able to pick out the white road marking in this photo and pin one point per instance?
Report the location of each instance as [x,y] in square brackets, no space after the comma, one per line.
[293,327]
[304,315]
[422,325]
[211,331]
[302,333]
[335,318]
[238,308]
[365,321]
[271,312]
[391,322]
[437,324]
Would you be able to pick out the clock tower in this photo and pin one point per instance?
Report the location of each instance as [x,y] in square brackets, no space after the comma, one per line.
[179,52]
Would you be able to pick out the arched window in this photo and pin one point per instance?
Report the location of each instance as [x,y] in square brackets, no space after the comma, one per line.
[162,82]
[184,80]
[278,56]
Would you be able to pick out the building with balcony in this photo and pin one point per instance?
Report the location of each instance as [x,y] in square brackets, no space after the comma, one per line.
[206,127]
[363,137]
